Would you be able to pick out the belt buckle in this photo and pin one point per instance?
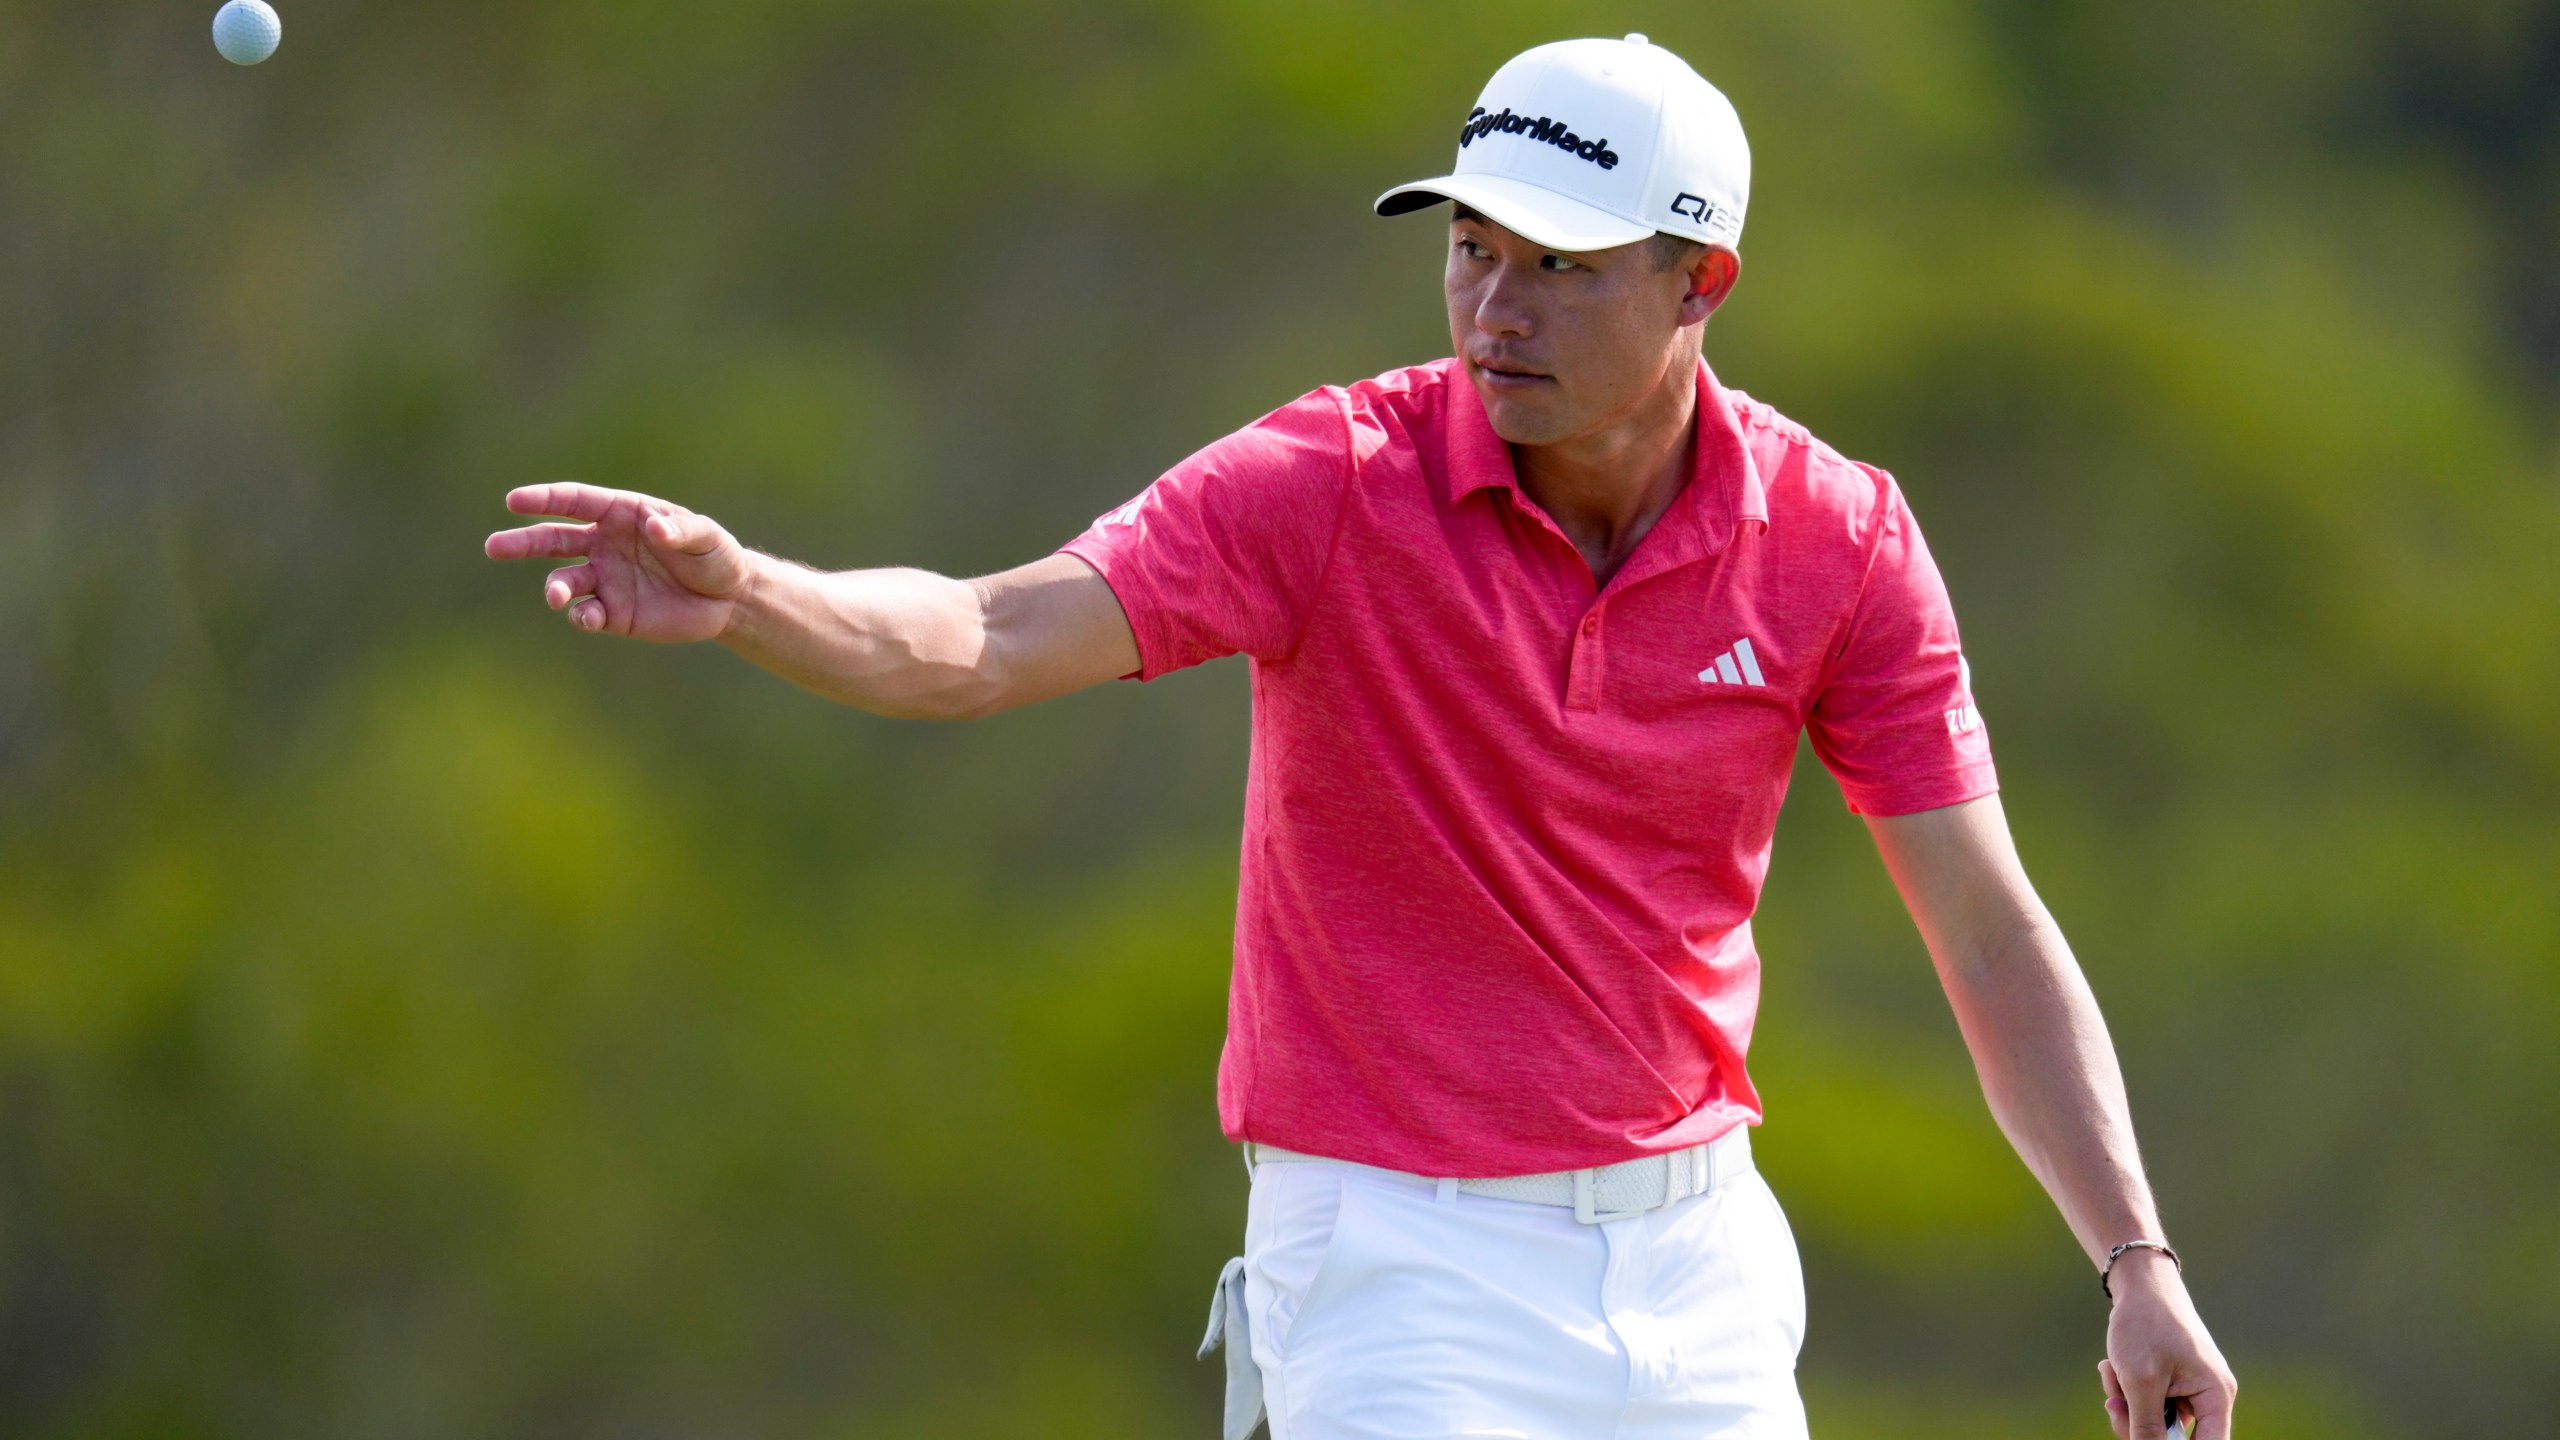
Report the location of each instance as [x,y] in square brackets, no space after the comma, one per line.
[1585,1210]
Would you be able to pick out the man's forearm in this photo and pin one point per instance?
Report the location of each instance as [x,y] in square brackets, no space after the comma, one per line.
[2038,1041]
[907,643]
[2049,1072]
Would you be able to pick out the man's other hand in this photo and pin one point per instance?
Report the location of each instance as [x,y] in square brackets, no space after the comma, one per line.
[654,570]
[2157,1350]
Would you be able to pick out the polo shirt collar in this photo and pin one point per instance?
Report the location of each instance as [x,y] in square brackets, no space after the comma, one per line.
[1723,493]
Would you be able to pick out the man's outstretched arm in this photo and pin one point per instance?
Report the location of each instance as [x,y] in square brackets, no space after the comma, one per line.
[894,642]
[2050,1073]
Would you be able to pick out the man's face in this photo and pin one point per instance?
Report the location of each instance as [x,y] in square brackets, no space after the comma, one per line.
[1565,345]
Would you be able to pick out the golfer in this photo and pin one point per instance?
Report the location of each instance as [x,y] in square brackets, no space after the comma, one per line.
[1534,630]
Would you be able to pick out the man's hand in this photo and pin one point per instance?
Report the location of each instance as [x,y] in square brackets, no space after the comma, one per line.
[2157,1350]
[654,570]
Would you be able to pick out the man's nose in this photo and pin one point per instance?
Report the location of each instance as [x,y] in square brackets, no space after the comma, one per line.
[1504,308]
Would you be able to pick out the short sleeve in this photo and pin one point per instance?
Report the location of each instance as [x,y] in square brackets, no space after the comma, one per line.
[1223,554]
[1895,720]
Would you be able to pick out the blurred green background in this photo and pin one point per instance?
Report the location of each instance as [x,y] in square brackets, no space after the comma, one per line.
[417,1019]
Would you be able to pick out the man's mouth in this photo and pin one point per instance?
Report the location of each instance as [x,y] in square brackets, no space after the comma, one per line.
[1510,375]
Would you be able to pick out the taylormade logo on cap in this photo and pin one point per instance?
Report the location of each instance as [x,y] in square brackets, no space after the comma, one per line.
[1552,132]
[1592,144]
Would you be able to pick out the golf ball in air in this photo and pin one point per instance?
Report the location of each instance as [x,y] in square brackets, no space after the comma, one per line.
[247,31]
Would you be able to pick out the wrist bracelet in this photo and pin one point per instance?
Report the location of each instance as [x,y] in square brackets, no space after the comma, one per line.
[2118,1253]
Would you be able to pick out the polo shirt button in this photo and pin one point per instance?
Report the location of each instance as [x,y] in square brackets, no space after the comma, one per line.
[1591,625]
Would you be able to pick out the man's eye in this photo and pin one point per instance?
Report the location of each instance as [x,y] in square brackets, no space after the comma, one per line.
[1558,262]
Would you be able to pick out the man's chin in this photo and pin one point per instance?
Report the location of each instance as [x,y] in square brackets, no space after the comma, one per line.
[1520,419]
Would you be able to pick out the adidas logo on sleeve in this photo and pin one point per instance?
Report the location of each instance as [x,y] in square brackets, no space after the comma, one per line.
[1737,666]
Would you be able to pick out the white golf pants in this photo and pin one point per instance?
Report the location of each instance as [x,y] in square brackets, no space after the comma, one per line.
[1383,1306]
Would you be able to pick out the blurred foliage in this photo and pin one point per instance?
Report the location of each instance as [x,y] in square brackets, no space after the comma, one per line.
[418,1020]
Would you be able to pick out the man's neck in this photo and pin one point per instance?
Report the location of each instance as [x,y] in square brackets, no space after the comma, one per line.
[1607,488]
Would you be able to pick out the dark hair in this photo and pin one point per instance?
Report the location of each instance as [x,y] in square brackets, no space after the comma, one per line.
[1672,252]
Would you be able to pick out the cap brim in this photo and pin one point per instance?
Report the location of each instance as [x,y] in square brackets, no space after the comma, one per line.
[1532,211]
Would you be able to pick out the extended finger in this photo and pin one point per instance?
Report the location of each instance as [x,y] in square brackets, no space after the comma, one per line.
[566,499]
[550,542]
[568,583]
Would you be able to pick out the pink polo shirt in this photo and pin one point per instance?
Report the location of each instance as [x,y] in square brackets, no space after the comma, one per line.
[1504,834]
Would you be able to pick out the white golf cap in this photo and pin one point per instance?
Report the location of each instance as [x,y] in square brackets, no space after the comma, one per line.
[1592,144]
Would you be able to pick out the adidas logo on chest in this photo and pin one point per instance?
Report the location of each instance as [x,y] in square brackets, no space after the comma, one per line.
[1737,666]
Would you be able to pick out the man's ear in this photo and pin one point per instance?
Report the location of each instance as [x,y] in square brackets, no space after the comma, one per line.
[1711,272]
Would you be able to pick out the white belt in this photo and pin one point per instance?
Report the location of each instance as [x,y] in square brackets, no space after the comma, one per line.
[1602,1193]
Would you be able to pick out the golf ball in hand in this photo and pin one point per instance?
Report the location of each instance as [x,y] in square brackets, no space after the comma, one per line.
[247,31]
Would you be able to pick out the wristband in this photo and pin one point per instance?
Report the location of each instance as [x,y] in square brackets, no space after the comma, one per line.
[2118,1253]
